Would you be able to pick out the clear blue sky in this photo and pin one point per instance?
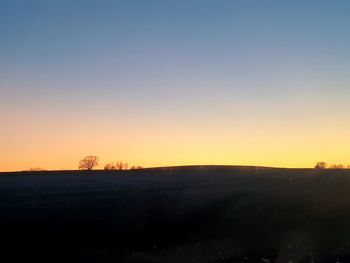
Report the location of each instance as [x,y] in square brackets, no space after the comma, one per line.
[168,72]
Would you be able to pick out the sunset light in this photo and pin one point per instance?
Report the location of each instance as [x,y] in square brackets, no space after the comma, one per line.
[177,131]
[161,84]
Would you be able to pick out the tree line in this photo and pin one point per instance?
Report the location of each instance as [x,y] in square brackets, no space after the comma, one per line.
[92,161]
[324,165]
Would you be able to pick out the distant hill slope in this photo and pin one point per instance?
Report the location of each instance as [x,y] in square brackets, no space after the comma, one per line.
[166,169]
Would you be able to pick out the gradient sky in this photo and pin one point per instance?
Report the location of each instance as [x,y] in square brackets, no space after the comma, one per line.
[158,83]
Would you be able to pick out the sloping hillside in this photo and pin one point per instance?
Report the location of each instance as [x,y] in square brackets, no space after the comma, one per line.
[179,214]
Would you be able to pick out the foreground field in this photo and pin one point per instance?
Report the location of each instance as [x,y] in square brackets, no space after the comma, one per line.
[182,214]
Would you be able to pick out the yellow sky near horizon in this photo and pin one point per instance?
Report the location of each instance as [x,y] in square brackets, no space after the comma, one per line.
[251,142]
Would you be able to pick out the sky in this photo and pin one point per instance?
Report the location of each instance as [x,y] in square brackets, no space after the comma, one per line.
[182,82]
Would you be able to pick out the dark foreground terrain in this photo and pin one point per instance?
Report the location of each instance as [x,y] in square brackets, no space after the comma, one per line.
[182,214]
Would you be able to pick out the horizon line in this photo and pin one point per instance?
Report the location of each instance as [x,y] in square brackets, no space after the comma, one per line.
[164,167]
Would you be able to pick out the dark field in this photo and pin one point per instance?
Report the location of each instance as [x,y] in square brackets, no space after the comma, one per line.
[182,214]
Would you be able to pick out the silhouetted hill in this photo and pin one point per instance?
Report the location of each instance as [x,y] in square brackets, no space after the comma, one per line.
[178,214]
[193,169]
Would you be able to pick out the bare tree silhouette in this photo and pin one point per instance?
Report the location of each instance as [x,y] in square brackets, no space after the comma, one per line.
[336,166]
[321,165]
[121,166]
[116,166]
[88,162]
[110,166]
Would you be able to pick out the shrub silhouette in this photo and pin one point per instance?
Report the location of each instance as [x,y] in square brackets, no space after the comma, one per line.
[88,162]
[35,169]
[121,166]
[134,167]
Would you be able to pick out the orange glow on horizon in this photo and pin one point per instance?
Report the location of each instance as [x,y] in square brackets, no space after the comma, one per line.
[55,148]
